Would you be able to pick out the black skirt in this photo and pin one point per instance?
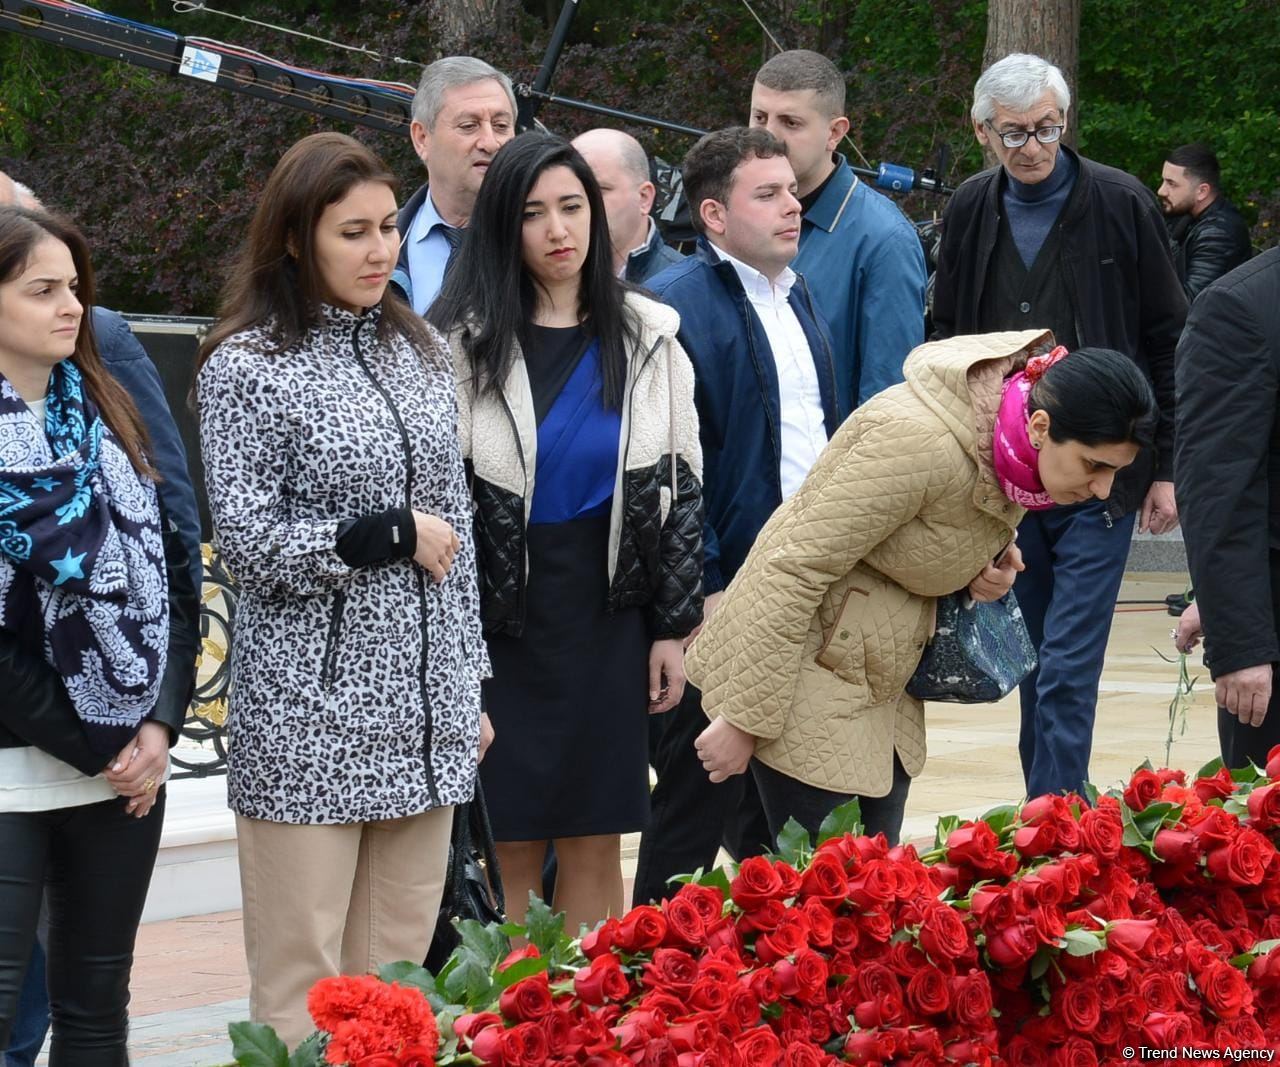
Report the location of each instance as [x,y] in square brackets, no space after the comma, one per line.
[568,699]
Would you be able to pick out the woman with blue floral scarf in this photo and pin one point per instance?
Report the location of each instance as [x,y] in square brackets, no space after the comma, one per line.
[97,647]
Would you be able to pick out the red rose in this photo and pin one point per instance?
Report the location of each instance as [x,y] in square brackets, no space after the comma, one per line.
[525,1045]
[685,924]
[759,1047]
[529,952]
[1218,787]
[526,1001]
[1129,936]
[877,925]
[1264,807]
[467,1026]
[723,934]
[976,845]
[593,1034]
[1242,861]
[788,939]
[558,1026]
[418,1056]
[381,1059]
[486,1045]
[1225,990]
[803,1054]
[825,880]
[927,992]
[1080,1005]
[971,1002]
[885,1010]
[708,899]
[868,1047]
[1167,1030]
[1264,972]
[1273,762]
[658,1052]
[1014,945]
[1179,847]
[764,918]
[844,934]
[763,985]
[1143,789]
[672,971]
[1213,827]
[805,979]
[821,922]
[943,934]
[873,885]
[743,1011]
[1032,841]
[599,940]
[640,930]
[694,1034]
[602,980]
[1102,832]
[756,883]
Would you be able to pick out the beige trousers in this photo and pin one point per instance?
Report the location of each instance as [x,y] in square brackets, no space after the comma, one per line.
[327,900]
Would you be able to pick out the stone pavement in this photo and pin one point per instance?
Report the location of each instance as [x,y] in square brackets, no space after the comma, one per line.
[190,980]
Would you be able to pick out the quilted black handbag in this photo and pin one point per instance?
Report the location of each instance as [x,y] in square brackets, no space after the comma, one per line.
[978,652]
[473,883]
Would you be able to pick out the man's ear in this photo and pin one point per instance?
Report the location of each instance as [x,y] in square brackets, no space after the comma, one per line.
[712,213]
[647,194]
[421,139]
[836,131]
[980,132]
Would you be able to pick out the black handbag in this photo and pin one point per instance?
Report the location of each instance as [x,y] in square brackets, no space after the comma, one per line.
[473,882]
[978,652]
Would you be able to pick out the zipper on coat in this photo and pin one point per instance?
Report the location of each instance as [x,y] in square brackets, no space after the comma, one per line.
[524,531]
[422,591]
[329,662]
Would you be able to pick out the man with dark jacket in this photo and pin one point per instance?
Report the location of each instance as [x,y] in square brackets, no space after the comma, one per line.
[621,167]
[463,112]
[1051,239]
[1208,235]
[1228,453]
[766,396]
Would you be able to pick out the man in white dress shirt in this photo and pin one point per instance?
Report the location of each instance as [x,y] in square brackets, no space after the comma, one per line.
[767,404]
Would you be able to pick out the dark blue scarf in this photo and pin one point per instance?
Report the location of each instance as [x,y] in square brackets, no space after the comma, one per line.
[81,550]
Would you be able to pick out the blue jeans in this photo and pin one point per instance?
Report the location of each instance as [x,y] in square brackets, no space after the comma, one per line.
[1074,566]
[32,1021]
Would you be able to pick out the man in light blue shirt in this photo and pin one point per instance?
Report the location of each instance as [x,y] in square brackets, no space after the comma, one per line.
[463,112]
[859,253]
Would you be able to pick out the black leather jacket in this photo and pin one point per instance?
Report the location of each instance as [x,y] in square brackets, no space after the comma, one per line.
[1114,255]
[1208,246]
[36,710]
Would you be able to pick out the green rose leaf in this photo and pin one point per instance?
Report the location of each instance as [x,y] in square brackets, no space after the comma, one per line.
[719,878]
[257,1045]
[408,973]
[1210,769]
[546,928]
[309,1054]
[794,842]
[487,942]
[1084,942]
[519,970]
[945,825]
[470,981]
[846,819]
[1001,818]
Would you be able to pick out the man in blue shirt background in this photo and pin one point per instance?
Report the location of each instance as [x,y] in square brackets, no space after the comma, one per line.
[861,256]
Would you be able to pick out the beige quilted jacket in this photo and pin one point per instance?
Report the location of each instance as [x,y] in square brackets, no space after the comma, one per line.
[824,624]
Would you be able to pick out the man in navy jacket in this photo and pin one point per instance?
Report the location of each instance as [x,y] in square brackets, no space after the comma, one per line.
[766,397]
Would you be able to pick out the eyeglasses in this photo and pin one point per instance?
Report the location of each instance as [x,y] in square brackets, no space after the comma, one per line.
[1017,138]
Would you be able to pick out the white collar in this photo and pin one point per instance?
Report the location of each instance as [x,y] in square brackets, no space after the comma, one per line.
[427,219]
[755,283]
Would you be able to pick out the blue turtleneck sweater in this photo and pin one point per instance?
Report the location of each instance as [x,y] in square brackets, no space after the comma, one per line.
[1033,209]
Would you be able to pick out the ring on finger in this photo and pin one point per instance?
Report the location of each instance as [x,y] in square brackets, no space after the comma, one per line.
[149,785]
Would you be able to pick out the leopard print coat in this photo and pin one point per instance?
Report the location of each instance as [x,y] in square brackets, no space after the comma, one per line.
[355,693]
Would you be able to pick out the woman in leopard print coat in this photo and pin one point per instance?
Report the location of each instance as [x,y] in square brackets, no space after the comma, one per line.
[328,431]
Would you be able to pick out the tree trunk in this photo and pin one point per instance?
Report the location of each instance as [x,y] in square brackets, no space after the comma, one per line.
[459,21]
[1047,28]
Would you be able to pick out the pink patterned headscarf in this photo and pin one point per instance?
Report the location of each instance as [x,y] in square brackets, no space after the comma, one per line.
[1017,463]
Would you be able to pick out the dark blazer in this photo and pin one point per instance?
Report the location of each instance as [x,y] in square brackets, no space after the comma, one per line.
[1227,462]
[1125,295]
[1208,246]
[736,392]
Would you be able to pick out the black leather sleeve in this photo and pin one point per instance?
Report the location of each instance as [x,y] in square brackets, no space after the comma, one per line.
[179,679]
[1211,252]
[676,607]
[37,711]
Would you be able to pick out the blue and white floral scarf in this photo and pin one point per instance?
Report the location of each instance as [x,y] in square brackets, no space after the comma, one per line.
[81,551]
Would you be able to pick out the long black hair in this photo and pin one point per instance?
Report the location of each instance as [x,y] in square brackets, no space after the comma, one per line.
[491,293]
[1096,396]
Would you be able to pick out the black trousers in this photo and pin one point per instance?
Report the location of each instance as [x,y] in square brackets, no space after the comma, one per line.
[1241,743]
[786,798]
[96,863]
[689,816]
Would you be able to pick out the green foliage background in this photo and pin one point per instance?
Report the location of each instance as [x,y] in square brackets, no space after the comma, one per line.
[163,172]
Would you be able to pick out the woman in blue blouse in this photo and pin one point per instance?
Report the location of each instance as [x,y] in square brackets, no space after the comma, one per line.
[577,422]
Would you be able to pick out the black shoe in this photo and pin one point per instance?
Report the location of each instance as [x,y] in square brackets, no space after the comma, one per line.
[1177,603]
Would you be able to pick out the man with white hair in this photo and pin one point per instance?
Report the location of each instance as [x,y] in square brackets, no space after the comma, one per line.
[621,167]
[463,111]
[1050,239]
